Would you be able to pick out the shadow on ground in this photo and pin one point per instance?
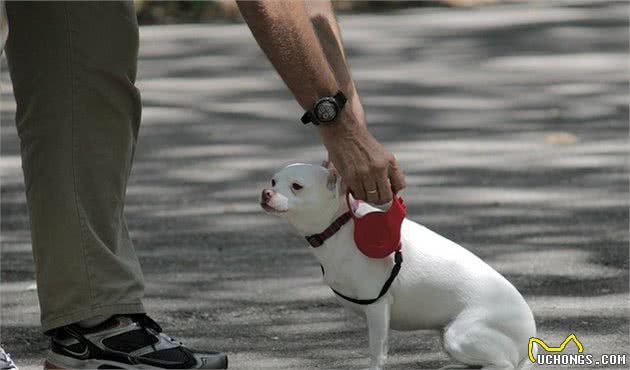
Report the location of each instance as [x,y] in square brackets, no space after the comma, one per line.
[510,123]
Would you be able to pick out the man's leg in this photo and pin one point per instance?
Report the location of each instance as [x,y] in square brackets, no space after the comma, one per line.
[73,67]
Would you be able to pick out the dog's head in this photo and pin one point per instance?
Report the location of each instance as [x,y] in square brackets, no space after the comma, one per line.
[308,196]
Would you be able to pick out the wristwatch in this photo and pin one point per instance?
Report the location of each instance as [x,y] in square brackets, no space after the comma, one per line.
[325,110]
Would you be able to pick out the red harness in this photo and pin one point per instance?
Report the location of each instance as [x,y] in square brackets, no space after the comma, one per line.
[376,234]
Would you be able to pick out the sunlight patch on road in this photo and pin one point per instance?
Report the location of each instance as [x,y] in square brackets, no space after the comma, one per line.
[574,263]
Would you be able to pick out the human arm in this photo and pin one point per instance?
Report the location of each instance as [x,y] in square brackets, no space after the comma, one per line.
[306,51]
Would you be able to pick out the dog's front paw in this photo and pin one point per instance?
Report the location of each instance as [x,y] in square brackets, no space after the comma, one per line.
[378,364]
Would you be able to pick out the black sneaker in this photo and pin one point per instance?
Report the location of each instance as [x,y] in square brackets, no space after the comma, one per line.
[5,361]
[125,342]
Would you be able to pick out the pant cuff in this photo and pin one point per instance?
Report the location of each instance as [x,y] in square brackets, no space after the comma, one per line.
[105,310]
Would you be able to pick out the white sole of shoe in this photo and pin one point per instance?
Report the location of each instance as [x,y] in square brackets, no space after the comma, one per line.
[55,361]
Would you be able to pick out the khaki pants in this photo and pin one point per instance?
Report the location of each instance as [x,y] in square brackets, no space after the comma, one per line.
[73,68]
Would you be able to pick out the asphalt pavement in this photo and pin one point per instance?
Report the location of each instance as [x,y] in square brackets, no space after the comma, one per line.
[510,122]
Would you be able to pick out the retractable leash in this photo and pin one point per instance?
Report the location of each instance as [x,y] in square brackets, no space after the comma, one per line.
[376,234]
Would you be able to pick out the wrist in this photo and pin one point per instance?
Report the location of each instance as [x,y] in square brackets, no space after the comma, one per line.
[350,121]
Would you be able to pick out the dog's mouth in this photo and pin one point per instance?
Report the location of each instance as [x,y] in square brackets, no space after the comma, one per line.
[270,209]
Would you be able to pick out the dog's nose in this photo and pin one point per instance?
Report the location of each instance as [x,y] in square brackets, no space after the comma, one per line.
[266,195]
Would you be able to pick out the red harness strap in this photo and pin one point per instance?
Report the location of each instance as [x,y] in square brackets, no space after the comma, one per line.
[316,240]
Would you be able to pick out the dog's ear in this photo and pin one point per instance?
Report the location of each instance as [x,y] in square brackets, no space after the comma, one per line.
[331,181]
[334,182]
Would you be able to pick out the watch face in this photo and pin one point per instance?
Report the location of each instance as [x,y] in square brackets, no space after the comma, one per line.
[326,110]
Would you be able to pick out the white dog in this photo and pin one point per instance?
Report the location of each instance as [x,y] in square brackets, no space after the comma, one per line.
[485,321]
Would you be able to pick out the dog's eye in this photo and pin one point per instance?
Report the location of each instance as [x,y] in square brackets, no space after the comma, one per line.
[296,186]
[273,182]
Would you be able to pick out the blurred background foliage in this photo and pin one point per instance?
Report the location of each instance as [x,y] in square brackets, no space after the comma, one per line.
[170,12]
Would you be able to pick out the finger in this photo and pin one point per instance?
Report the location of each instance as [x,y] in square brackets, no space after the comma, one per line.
[329,162]
[358,192]
[371,192]
[343,186]
[396,178]
[384,189]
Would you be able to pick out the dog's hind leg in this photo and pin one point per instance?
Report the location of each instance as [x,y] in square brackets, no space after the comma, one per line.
[470,340]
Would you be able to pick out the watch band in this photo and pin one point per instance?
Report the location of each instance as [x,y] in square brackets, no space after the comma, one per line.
[307,117]
[340,98]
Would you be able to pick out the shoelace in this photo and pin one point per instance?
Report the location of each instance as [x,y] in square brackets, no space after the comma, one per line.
[153,328]
[6,362]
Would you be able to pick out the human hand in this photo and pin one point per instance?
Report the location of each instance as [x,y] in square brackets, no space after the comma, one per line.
[369,170]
